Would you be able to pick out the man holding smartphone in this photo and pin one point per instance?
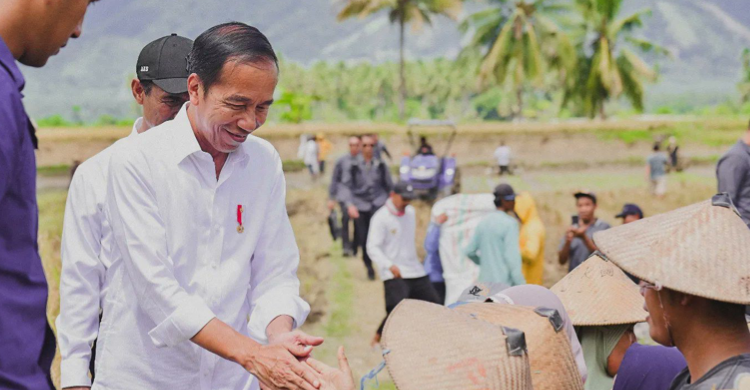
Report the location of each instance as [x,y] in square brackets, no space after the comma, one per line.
[578,243]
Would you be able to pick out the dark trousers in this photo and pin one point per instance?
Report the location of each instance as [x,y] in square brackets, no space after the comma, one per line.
[362,228]
[440,290]
[347,242]
[396,290]
[505,169]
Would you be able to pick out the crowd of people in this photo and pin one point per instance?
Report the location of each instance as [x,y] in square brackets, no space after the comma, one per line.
[179,262]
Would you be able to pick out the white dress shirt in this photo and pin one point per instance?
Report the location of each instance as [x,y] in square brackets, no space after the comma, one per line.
[184,262]
[86,256]
[390,241]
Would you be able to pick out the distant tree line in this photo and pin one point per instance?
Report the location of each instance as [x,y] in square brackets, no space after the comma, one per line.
[524,58]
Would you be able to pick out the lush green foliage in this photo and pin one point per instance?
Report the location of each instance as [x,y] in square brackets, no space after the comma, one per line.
[402,12]
[744,84]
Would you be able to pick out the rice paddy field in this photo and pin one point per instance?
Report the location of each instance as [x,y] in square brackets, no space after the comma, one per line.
[552,161]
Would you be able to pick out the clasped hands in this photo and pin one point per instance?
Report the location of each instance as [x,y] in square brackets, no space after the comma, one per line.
[286,363]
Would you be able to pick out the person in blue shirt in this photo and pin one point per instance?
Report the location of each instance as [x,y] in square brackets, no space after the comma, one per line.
[31,31]
[495,245]
[432,264]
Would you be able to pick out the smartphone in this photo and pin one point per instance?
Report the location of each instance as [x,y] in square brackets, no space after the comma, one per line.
[575,220]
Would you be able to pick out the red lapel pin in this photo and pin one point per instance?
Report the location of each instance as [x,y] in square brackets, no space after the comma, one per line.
[240,210]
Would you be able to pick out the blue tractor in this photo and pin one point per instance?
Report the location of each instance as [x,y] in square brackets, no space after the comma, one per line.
[432,176]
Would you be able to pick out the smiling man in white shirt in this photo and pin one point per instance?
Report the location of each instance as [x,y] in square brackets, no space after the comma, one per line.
[160,87]
[199,217]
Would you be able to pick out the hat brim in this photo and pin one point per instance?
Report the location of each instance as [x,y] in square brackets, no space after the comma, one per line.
[173,86]
[409,196]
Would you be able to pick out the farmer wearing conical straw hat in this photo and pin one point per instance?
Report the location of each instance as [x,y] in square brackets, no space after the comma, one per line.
[603,305]
[693,263]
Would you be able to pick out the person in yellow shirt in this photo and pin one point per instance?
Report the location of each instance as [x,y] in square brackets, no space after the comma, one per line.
[324,149]
[531,239]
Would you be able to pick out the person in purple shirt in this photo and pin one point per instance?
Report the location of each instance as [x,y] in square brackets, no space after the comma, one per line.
[31,31]
[649,367]
[432,265]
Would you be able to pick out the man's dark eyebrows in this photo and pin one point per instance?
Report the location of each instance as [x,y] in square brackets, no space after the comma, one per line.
[267,103]
[239,99]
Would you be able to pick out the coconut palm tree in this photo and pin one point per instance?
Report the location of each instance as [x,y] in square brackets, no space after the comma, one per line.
[613,69]
[523,42]
[403,12]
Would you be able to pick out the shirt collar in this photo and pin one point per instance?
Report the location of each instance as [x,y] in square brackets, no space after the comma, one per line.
[9,63]
[392,208]
[186,144]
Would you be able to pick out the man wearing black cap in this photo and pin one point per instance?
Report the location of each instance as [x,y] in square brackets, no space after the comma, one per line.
[161,89]
[630,213]
[578,244]
[391,245]
[495,245]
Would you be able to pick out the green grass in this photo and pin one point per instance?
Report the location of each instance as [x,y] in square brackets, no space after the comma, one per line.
[341,297]
[53,170]
[709,132]
[293,165]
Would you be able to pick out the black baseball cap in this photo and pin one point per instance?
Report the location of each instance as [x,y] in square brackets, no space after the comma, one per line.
[164,61]
[585,194]
[405,190]
[505,192]
[630,209]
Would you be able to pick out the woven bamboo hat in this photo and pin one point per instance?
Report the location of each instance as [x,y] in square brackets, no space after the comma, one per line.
[553,366]
[431,347]
[597,293]
[701,250]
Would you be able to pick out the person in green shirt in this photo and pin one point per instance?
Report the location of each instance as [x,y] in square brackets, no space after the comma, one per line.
[495,244]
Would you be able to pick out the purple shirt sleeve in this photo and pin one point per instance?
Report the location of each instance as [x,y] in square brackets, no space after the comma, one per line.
[432,264]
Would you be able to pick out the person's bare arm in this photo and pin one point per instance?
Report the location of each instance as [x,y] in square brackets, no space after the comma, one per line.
[275,366]
[564,254]
[589,243]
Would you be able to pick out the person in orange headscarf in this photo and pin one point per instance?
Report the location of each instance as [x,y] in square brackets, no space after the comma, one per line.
[324,149]
[531,239]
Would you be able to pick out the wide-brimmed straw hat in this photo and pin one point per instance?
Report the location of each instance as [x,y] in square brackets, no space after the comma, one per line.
[701,250]
[597,293]
[553,366]
[431,347]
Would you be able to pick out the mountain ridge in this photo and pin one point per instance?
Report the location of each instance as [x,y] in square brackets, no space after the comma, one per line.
[93,72]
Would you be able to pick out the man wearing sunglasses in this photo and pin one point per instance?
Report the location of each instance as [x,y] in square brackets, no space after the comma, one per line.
[695,279]
[365,188]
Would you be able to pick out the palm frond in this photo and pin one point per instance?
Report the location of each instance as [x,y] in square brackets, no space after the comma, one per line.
[638,65]
[649,47]
[629,23]
[632,86]
[496,59]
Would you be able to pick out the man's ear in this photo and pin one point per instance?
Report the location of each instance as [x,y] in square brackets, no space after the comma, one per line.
[195,89]
[138,92]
